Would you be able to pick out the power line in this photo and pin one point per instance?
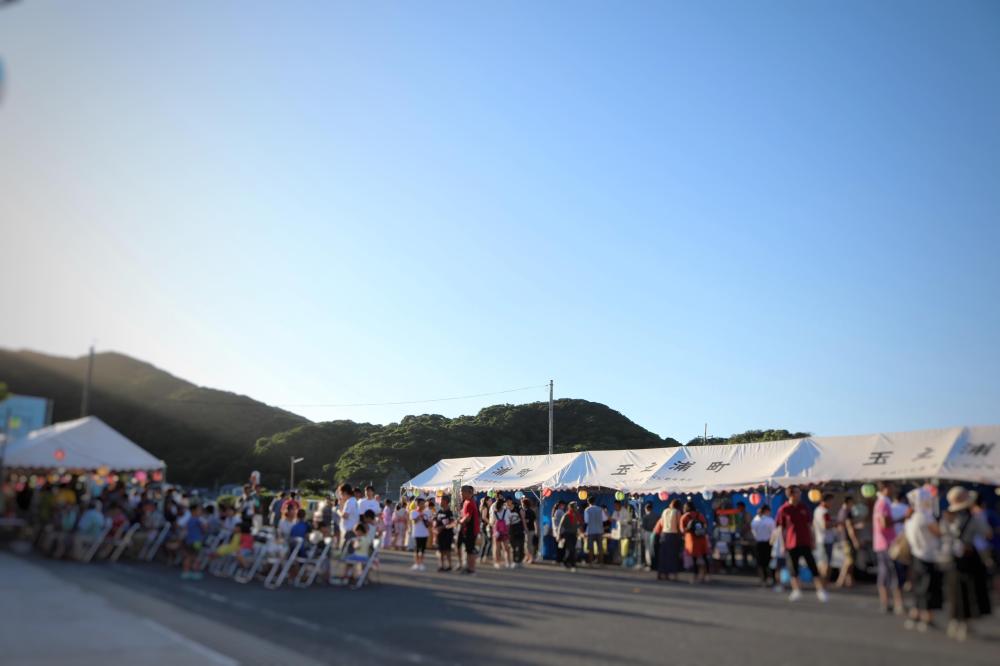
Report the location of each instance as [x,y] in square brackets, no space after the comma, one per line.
[255,403]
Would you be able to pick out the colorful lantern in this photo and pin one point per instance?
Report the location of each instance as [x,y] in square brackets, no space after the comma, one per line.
[255,478]
[582,495]
[815,496]
[708,495]
[491,494]
[157,475]
[619,496]
[103,470]
[59,455]
[663,495]
[518,495]
[868,490]
[547,492]
[140,476]
[756,499]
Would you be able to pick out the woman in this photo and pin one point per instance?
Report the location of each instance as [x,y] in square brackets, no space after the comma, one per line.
[500,521]
[566,530]
[695,529]
[516,521]
[487,528]
[968,593]
[400,521]
[924,537]
[286,522]
[668,563]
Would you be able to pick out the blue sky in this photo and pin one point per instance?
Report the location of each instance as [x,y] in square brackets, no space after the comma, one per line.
[778,214]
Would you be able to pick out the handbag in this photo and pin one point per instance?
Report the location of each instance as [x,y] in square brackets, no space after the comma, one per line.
[899,550]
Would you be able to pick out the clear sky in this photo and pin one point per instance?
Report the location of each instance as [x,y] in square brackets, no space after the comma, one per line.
[768,214]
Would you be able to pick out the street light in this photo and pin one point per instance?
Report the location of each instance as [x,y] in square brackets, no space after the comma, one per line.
[291,475]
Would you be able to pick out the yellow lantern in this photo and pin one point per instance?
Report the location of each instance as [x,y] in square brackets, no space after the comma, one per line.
[103,471]
[582,495]
[815,496]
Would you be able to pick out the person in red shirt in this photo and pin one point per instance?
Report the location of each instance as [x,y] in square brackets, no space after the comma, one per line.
[795,522]
[468,529]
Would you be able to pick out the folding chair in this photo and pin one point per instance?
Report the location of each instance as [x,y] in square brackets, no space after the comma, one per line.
[154,540]
[241,575]
[123,543]
[211,543]
[86,547]
[280,566]
[370,566]
[311,565]
[104,550]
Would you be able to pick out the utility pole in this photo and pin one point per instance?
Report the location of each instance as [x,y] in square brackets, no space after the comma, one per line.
[291,474]
[85,403]
[704,440]
[551,410]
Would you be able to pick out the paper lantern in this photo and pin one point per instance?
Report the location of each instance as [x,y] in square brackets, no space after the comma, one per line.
[582,495]
[663,495]
[518,495]
[815,496]
[53,478]
[491,494]
[619,496]
[255,478]
[547,492]
[157,475]
[140,476]
[103,470]
[18,487]
[59,455]
[708,495]
[756,499]
[868,490]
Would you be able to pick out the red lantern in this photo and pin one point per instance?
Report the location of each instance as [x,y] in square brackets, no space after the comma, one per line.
[756,499]
[547,492]
[157,475]
[59,455]
[664,495]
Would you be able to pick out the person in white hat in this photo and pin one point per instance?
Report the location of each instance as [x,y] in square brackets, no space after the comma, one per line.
[967,587]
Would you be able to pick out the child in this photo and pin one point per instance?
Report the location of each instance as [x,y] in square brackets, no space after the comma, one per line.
[194,536]
[420,521]
[778,551]
[240,546]
[300,530]
[444,522]
[358,552]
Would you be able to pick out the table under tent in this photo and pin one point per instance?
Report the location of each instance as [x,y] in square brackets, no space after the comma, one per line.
[752,473]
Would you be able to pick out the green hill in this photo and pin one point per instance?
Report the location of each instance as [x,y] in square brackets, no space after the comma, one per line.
[344,450]
[204,435]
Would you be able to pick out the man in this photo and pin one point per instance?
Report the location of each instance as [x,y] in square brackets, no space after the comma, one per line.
[621,529]
[276,508]
[850,541]
[745,535]
[369,503]
[649,520]
[444,528]
[762,528]
[883,534]
[468,529]
[795,522]
[530,530]
[349,511]
[593,520]
[557,513]
[825,534]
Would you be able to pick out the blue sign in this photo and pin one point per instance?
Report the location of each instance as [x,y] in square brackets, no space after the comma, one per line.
[20,414]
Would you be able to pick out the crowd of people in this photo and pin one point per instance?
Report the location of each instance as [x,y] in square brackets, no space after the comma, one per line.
[926,559]
[943,559]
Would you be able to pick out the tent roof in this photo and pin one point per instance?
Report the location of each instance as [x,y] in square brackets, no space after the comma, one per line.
[962,454]
[442,474]
[86,443]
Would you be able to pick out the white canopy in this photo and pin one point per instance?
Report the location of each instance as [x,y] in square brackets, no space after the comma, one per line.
[85,444]
[442,474]
[960,454]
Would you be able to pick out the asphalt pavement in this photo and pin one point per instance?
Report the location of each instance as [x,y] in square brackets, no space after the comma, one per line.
[539,615]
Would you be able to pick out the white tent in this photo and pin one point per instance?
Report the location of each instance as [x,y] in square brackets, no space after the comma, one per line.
[83,444]
[960,454]
[517,472]
[442,474]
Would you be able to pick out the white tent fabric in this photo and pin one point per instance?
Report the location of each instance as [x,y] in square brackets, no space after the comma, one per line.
[720,467]
[517,472]
[625,470]
[84,444]
[960,454]
[974,456]
[442,474]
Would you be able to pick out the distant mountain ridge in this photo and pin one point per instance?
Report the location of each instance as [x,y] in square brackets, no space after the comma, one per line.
[208,436]
[203,434]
